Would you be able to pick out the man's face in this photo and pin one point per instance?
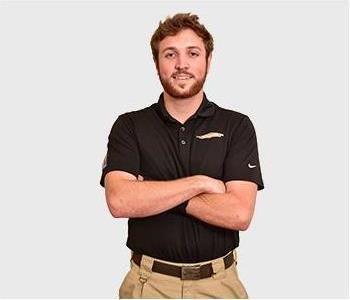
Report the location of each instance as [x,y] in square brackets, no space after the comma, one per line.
[182,64]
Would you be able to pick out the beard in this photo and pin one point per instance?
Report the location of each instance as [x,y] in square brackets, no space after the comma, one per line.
[179,90]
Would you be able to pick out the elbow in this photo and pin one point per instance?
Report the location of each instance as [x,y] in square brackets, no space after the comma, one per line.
[116,213]
[115,206]
[244,225]
[241,222]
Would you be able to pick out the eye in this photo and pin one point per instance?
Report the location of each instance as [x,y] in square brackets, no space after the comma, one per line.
[170,55]
[194,54]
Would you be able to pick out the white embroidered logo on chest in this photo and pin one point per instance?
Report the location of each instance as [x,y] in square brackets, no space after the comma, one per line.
[210,135]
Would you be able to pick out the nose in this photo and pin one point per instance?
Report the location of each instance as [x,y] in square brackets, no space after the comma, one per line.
[181,62]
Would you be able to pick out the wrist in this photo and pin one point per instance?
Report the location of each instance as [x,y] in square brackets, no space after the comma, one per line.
[201,184]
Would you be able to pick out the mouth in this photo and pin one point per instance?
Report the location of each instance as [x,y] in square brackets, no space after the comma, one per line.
[182,76]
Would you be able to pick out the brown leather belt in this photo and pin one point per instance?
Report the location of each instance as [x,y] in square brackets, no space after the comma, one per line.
[194,272]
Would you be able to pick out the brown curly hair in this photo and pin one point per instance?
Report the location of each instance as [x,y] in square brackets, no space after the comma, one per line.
[173,25]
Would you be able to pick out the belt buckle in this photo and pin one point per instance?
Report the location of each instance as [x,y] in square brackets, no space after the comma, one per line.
[191,272]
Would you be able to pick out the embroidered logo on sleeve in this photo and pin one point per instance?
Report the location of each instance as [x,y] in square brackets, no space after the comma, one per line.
[210,135]
[251,166]
[104,163]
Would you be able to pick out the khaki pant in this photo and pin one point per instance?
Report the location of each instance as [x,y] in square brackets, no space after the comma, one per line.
[141,282]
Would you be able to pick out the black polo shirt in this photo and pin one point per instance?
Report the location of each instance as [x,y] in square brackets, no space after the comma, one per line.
[216,142]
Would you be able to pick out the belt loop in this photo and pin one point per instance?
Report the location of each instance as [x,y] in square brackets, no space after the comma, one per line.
[130,260]
[145,268]
[218,266]
[235,256]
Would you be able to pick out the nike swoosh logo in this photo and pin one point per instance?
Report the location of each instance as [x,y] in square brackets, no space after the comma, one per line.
[209,135]
[251,166]
[104,163]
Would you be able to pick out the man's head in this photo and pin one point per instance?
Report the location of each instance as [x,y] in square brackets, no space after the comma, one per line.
[182,48]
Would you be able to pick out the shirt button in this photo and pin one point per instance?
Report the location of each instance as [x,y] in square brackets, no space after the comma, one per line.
[183,142]
[183,129]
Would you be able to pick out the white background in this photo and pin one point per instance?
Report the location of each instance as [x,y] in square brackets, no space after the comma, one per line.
[68,69]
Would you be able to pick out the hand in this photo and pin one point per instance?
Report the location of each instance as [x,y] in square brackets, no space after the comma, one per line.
[139,177]
[213,186]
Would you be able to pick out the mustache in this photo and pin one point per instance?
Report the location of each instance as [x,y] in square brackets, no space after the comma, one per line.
[182,73]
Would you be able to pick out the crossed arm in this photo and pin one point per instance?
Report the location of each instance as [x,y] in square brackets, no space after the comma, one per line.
[229,205]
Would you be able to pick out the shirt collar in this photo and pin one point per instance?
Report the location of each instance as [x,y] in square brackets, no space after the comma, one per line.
[206,109]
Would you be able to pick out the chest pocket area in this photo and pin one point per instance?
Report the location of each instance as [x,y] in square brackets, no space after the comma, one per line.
[208,154]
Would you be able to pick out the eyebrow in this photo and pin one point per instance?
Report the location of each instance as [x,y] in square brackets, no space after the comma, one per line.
[174,48]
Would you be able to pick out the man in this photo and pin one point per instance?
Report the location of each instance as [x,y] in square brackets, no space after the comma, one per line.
[186,173]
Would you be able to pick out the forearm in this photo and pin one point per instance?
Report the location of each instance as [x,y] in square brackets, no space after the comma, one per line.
[132,198]
[222,210]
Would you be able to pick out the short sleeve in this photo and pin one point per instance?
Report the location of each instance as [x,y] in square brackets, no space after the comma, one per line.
[122,151]
[242,159]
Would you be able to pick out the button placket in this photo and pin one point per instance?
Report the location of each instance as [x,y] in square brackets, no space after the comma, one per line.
[182,137]
[184,146]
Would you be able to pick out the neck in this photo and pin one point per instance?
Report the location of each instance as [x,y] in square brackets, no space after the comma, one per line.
[182,108]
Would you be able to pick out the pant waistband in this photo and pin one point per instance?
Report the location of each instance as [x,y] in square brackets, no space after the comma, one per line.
[188,272]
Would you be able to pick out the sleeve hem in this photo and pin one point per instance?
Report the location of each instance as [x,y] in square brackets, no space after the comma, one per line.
[258,183]
[110,169]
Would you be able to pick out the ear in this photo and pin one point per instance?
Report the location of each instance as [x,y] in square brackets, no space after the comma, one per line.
[209,61]
[156,65]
